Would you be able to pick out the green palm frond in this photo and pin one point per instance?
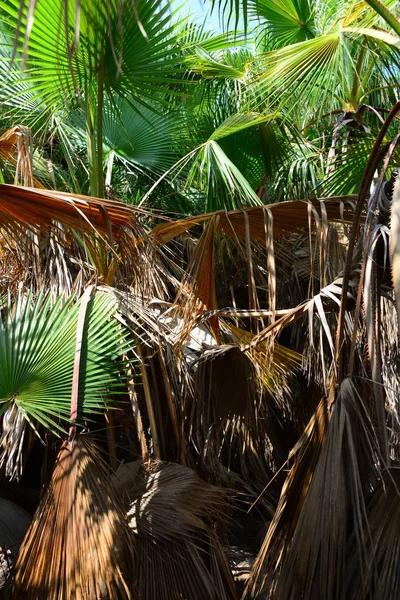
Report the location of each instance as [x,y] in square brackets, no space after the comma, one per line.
[285,22]
[37,351]
[209,171]
[58,74]
[325,69]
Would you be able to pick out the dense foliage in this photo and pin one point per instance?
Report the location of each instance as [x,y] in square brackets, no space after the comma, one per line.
[199,297]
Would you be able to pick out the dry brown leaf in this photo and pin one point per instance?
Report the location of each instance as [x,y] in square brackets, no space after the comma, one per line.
[78,546]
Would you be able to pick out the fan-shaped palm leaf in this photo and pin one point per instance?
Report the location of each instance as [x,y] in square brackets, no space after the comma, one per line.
[37,352]
[173,514]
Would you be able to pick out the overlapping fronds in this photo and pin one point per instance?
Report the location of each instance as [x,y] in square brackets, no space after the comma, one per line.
[259,233]
[37,351]
[320,66]
[287,217]
[111,42]
[78,545]
[173,514]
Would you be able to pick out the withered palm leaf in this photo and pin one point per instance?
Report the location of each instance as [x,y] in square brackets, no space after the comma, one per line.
[32,208]
[173,514]
[78,546]
[313,559]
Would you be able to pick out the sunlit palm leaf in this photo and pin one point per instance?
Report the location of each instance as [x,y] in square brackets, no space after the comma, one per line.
[32,208]
[37,352]
[78,544]
[285,21]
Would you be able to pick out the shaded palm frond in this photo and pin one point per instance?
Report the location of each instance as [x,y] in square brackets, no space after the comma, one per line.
[173,514]
[315,561]
[379,576]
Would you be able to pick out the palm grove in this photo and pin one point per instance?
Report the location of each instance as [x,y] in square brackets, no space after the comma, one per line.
[200,273]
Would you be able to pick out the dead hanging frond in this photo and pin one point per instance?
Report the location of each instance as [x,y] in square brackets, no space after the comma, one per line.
[380,576]
[78,545]
[390,373]
[174,515]
[13,430]
[315,562]
[305,455]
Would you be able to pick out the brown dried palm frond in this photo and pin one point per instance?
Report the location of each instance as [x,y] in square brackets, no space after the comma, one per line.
[380,576]
[173,514]
[33,208]
[286,216]
[313,561]
[254,246]
[16,148]
[78,545]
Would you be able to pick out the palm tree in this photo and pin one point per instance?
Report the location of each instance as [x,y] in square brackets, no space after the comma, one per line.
[245,353]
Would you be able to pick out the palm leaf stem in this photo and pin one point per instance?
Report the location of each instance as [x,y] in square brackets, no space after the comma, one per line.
[385,14]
